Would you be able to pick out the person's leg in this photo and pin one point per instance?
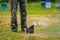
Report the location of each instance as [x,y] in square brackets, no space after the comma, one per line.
[14,16]
[23,14]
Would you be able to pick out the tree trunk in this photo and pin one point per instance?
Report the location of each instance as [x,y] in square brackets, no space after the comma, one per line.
[14,24]
[23,14]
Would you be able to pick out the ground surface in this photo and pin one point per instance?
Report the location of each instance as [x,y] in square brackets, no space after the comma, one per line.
[47,24]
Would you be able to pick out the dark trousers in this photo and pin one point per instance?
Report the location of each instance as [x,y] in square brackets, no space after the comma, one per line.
[23,14]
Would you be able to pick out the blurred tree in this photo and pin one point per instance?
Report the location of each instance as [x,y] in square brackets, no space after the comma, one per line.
[33,1]
[29,1]
[1,1]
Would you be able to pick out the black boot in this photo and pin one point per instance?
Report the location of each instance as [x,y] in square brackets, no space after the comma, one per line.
[30,29]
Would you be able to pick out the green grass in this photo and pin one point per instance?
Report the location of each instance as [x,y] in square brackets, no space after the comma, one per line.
[52,32]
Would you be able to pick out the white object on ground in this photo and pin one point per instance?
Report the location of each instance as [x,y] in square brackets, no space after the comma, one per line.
[34,23]
[48,4]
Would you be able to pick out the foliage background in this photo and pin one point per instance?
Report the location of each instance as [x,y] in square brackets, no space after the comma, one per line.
[29,1]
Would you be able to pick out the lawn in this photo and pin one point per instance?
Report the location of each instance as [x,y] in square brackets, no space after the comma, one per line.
[47,23]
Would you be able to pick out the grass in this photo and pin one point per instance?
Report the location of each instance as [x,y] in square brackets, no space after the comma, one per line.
[34,14]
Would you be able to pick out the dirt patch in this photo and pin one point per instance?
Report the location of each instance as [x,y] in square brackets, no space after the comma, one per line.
[44,20]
